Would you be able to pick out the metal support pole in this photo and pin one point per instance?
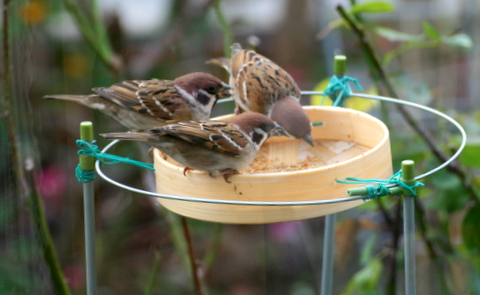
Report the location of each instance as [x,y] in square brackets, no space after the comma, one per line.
[87,164]
[409,229]
[328,253]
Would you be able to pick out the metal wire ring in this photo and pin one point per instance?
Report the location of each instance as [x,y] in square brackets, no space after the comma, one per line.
[302,203]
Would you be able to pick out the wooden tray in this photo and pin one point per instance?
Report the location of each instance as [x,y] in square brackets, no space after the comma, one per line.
[348,144]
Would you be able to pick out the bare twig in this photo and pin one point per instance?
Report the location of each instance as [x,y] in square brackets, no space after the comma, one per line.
[381,79]
[198,290]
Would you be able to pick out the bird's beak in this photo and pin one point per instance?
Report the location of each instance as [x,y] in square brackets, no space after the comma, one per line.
[277,131]
[308,138]
[224,92]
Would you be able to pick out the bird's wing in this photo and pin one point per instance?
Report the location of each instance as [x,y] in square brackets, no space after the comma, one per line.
[218,136]
[156,98]
[260,82]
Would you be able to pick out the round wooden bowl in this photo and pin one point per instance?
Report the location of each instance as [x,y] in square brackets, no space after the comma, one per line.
[348,144]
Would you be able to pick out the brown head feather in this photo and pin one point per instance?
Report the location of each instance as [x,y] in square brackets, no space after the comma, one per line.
[194,81]
[289,114]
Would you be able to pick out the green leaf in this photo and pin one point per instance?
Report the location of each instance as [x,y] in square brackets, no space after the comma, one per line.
[394,35]
[469,156]
[451,196]
[365,280]
[430,31]
[372,7]
[368,249]
[470,232]
[460,40]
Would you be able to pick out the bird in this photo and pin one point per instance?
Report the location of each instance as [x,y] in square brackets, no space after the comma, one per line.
[141,105]
[260,85]
[220,148]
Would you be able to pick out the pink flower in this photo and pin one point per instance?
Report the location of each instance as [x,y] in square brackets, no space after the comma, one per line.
[52,182]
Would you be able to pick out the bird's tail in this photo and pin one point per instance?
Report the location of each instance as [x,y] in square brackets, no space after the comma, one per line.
[223,62]
[70,97]
[236,47]
[93,101]
[132,136]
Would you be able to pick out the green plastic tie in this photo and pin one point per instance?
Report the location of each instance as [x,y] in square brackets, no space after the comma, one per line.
[381,190]
[90,149]
[376,192]
[84,175]
[338,90]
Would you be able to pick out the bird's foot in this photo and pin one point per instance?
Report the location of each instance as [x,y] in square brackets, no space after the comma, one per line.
[186,169]
[227,173]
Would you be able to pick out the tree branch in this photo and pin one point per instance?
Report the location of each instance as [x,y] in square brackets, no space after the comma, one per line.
[198,290]
[382,80]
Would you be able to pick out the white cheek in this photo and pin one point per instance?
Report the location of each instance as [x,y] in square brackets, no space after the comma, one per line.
[211,102]
[207,108]
[186,96]
[262,134]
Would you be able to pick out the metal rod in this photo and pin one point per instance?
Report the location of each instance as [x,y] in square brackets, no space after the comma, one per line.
[408,176]
[409,240]
[328,254]
[89,222]
[87,164]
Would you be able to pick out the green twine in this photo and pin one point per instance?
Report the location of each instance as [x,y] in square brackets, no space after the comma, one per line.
[381,190]
[376,192]
[84,175]
[339,85]
[90,149]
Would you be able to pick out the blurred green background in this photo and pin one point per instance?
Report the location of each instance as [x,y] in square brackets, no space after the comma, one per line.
[427,50]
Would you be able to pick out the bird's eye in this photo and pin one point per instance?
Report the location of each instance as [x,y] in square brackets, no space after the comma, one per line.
[211,89]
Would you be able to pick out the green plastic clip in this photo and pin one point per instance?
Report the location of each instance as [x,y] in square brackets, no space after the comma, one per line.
[87,163]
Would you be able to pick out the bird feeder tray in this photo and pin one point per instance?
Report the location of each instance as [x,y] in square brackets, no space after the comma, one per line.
[348,143]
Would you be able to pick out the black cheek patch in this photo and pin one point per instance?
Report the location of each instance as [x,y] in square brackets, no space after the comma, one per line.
[257,137]
[203,98]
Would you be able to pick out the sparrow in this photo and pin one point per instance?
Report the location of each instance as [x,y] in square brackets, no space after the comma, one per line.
[216,147]
[260,85]
[142,104]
